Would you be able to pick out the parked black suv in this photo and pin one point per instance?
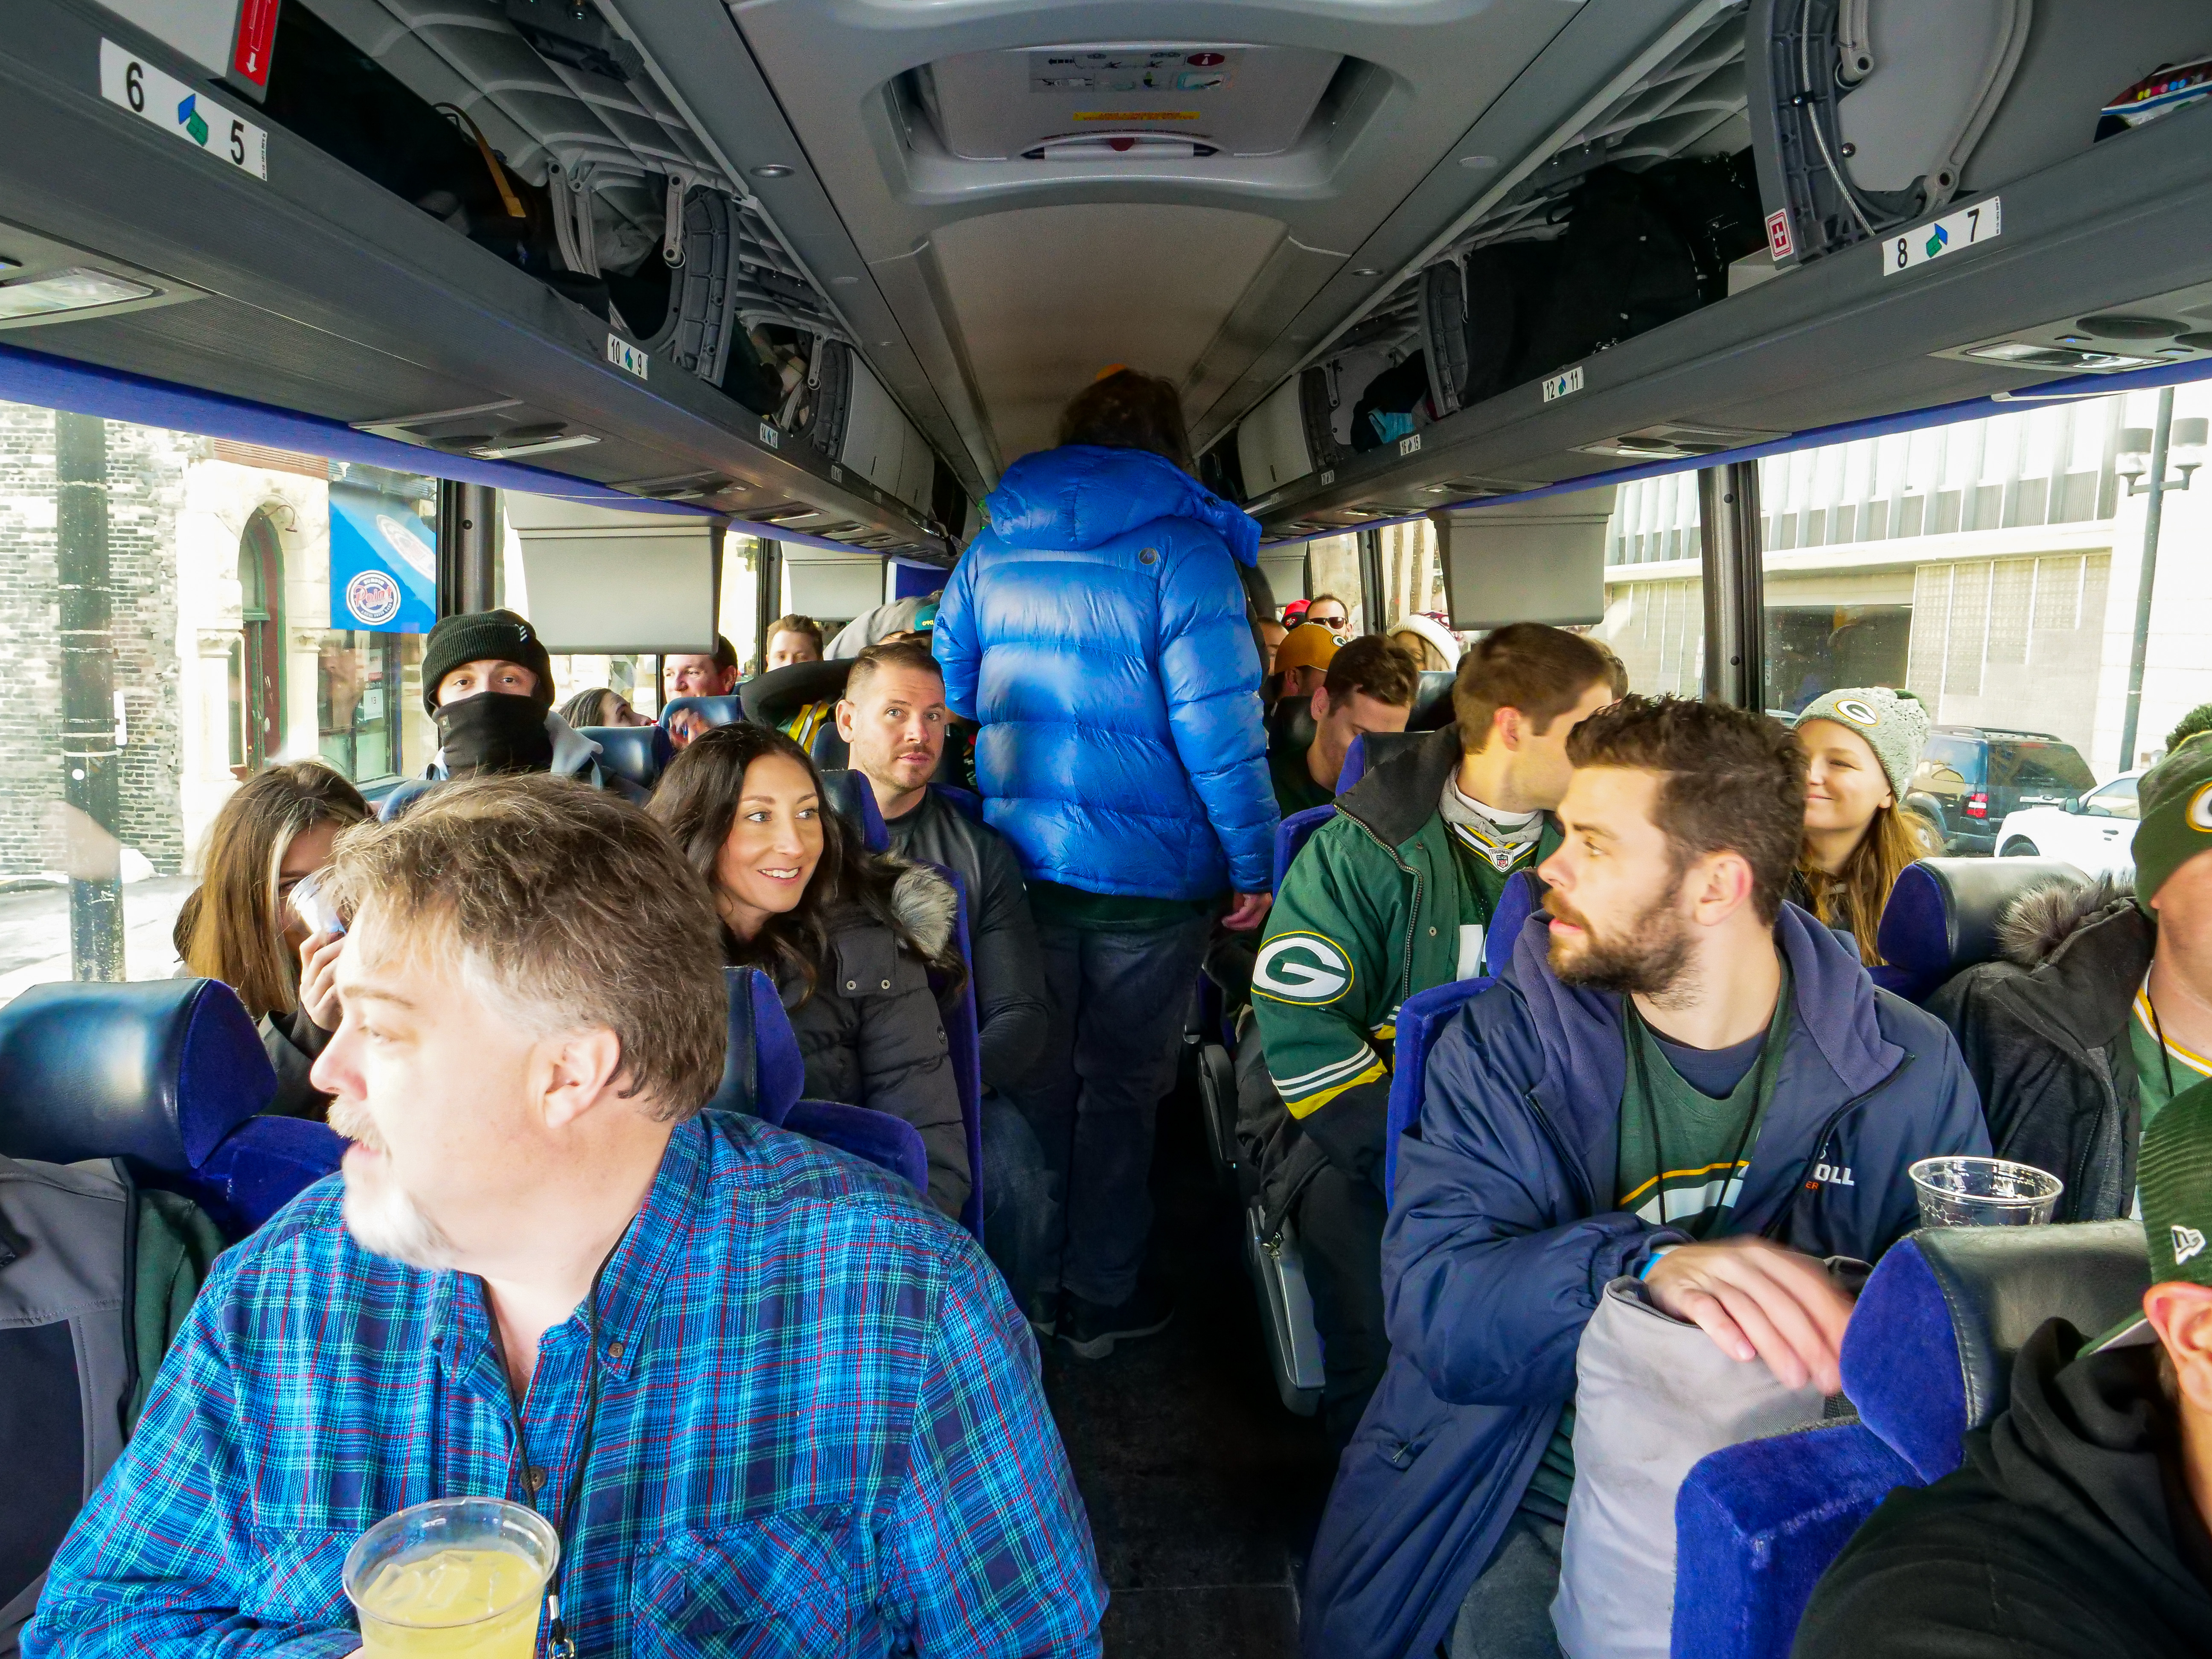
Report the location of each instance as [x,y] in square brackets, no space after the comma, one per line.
[1970,776]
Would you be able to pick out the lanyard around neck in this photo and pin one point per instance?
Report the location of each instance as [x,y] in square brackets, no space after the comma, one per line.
[557,1643]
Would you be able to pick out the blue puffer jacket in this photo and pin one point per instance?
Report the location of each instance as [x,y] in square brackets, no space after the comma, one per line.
[1503,1234]
[1097,633]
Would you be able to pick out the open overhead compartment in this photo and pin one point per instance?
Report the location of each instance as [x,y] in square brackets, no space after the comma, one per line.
[444,243]
[1708,254]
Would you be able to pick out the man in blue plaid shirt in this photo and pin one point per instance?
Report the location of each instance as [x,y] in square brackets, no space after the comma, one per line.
[773,1403]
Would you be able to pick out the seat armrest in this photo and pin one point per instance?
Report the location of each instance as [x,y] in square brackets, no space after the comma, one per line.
[1757,1524]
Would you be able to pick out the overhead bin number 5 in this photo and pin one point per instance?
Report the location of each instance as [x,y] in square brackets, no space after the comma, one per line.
[181,111]
[1982,223]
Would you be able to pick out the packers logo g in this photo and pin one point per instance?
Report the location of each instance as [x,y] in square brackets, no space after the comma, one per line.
[1301,967]
[2200,808]
[1857,712]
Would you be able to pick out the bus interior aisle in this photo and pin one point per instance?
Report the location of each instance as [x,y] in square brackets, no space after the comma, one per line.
[1203,1492]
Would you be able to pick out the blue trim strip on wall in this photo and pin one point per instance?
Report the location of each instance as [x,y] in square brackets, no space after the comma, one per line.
[115,394]
[2071,389]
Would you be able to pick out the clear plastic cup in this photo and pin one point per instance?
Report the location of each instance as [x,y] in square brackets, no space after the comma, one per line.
[454,1578]
[1983,1192]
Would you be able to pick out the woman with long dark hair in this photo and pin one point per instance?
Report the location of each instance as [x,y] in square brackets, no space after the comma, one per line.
[240,926]
[849,938]
[1861,745]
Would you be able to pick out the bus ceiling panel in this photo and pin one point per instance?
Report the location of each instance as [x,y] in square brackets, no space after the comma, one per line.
[316,262]
[1408,80]
[1045,297]
[2113,231]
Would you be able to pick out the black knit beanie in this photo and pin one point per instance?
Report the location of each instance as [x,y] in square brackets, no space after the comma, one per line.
[484,637]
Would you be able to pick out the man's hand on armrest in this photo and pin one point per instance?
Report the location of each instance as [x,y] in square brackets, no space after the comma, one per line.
[1757,1301]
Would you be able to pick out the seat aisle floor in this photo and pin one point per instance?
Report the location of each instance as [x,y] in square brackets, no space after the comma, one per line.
[1203,1490]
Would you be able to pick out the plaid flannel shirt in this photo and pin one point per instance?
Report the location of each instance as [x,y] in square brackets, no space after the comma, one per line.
[820,1430]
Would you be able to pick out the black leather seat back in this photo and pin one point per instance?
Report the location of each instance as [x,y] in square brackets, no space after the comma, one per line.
[1432,704]
[1943,914]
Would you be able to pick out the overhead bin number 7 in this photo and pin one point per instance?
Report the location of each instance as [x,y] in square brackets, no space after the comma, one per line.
[1982,223]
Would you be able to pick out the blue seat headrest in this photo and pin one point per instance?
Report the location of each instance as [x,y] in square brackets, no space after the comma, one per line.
[635,754]
[1941,916]
[1432,704]
[157,1071]
[719,711]
[1929,1352]
[1293,833]
[828,751]
[265,1163]
[761,1072]
[853,798]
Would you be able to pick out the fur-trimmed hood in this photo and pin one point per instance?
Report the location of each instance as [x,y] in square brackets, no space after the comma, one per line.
[926,906]
[2038,924]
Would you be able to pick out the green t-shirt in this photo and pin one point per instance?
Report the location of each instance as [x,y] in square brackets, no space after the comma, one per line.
[1683,1155]
[2162,1070]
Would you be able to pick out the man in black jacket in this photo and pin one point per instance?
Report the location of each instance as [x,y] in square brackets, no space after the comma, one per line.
[2076,1527]
[893,719]
[2101,1011]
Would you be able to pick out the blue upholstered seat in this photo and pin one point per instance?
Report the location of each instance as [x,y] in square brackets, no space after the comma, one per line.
[166,1075]
[1928,1356]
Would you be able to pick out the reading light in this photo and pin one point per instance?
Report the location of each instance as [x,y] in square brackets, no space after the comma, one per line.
[79,289]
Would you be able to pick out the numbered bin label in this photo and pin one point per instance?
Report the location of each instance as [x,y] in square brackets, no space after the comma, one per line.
[1982,223]
[184,110]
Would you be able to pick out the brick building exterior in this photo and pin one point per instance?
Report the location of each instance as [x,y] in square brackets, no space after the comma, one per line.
[146,472]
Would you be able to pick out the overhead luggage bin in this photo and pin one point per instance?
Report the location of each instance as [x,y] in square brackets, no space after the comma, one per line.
[316,289]
[2030,249]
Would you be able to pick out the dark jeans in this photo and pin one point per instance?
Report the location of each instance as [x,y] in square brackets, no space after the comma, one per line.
[1508,1614]
[1339,1220]
[1021,1212]
[1115,1003]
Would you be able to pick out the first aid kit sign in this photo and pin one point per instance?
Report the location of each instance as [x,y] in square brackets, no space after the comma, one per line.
[184,112]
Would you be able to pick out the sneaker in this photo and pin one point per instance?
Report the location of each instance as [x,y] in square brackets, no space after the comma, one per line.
[1091,1330]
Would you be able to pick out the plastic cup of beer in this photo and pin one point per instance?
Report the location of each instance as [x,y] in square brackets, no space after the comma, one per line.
[454,1578]
[1983,1192]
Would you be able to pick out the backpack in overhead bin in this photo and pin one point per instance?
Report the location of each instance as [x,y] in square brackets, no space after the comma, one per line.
[1387,411]
[95,1278]
[1621,268]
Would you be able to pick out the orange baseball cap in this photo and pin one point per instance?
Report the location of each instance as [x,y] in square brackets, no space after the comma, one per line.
[1307,646]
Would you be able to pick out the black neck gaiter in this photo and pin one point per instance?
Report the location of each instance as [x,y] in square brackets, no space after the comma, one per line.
[494,732]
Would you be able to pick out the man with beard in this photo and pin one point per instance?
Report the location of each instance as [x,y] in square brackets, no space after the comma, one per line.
[1677,1077]
[764,1393]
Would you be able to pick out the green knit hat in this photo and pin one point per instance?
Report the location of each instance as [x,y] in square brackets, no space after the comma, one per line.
[2174,1177]
[2176,798]
[1894,723]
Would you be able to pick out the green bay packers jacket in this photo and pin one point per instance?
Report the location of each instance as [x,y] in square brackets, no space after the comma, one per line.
[1371,911]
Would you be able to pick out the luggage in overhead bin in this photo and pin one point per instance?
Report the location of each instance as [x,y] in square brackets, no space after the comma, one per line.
[1502,285]
[1621,268]
[1395,403]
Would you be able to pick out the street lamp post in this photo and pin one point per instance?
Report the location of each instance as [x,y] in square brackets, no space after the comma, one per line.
[2154,484]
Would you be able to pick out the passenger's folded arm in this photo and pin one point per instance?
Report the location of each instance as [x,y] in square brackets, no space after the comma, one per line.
[1484,1290]
[986,1551]
[157,1564]
[1322,1056]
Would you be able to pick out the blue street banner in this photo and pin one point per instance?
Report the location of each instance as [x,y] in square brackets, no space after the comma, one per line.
[384,561]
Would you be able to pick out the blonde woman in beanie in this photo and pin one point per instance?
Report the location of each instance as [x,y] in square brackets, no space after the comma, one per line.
[1861,746]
